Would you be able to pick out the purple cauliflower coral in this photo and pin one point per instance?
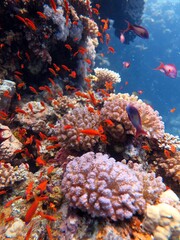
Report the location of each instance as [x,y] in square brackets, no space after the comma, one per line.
[103,187]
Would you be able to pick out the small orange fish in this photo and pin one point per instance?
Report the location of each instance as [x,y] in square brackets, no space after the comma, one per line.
[88,61]
[173,149]
[111,49]
[90,131]
[52,81]
[66,127]
[81,94]
[20,85]
[146,148]
[68,47]
[32,209]
[106,24]
[95,11]
[40,161]
[49,232]
[9,203]
[65,68]
[28,233]
[11,218]
[30,106]
[109,122]
[17,77]
[30,24]
[7,94]
[28,192]
[29,140]
[73,74]
[53,138]
[173,110]
[53,5]
[48,217]
[52,71]
[51,147]
[56,67]
[33,89]
[42,15]
[167,153]
[42,186]
[2,192]
[18,96]
[19,110]
[27,56]
[42,136]
[50,169]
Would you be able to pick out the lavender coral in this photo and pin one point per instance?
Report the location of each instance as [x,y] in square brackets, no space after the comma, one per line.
[114,109]
[102,187]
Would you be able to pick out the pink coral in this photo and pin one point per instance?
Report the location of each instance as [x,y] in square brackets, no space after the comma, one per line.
[102,187]
[115,109]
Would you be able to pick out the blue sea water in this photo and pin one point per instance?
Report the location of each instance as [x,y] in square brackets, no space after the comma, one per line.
[161,18]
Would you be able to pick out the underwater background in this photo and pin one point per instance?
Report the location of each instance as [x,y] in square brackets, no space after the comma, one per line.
[161,18]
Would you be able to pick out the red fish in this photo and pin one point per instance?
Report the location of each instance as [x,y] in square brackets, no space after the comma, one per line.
[169,70]
[138,30]
[31,211]
[135,119]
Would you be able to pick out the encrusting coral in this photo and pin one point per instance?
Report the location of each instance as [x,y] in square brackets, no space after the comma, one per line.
[106,188]
[9,174]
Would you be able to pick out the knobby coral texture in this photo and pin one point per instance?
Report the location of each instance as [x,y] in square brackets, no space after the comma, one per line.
[105,188]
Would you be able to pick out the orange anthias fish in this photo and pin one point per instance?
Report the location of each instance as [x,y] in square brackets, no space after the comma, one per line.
[90,131]
[173,110]
[31,211]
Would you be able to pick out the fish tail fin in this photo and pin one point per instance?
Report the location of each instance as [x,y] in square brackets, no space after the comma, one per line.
[161,66]
[140,132]
[129,27]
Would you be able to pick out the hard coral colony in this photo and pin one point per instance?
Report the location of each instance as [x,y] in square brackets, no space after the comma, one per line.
[66,141]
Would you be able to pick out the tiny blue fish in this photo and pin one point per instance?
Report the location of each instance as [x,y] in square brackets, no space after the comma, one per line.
[135,119]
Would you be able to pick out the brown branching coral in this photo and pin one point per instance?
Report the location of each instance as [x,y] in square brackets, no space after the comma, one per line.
[115,109]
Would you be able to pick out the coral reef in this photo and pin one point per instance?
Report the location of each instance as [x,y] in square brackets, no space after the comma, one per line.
[55,109]
[114,109]
[7,91]
[163,221]
[105,79]
[68,129]
[9,145]
[112,189]
[9,174]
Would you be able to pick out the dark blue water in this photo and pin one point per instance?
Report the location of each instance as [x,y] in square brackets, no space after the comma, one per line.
[161,18]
